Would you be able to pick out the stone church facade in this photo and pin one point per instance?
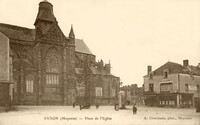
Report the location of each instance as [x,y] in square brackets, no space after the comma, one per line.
[50,68]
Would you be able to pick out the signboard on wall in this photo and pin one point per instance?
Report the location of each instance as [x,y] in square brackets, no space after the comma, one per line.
[4,58]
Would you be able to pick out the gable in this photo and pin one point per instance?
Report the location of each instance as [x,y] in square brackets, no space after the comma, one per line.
[54,34]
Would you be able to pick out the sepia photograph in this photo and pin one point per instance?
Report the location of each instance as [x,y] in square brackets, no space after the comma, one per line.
[99,62]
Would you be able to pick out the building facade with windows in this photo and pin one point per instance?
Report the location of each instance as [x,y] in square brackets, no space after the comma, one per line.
[50,68]
[133,94]
[172,84]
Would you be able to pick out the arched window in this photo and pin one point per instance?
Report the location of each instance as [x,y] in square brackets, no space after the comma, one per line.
[52,67]
[29,83]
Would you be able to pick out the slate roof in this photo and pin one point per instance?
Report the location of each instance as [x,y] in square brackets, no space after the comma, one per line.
[17,33]
[195,69]
[93,71]
[26,35]
[177,68]
[81,47]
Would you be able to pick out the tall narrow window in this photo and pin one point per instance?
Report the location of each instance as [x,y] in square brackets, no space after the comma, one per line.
[52,67]
[29,83]
[98,91]
[99,87]
[165,75]
[151,87]
[113,89]
[186,87]
[198,90]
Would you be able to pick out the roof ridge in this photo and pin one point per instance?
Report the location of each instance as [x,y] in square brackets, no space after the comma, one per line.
[173,63]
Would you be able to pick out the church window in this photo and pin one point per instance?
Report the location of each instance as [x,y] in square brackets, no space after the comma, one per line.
[29,83]
[113,89]
[113,92]
[98,91]
[52,67]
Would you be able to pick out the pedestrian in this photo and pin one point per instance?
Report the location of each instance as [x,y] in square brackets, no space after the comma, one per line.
[134,108]
[115,106]
[73,101]
[97,105]
[74,104]
[198,107]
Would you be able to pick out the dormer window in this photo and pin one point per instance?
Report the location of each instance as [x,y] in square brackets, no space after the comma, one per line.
[165,73]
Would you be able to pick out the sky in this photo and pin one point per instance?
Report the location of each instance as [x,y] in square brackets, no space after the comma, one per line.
[132,34]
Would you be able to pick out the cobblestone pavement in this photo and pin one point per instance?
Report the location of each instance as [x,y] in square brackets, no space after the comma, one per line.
[105,115]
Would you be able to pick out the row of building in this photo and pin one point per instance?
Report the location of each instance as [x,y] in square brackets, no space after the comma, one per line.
[172,84]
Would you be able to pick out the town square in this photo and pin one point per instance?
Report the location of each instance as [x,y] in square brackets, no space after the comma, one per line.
[99,62]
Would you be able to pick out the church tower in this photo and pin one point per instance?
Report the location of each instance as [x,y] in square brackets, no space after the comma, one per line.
[45,17]
[55,57]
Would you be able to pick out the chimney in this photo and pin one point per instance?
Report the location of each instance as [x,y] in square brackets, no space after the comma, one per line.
[198,65]
[149,68]
[185,63]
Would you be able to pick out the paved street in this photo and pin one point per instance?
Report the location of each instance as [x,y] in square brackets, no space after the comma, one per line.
[105,115]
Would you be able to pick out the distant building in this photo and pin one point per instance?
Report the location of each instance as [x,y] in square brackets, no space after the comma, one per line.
[133,94]
[172,84]
[50,68]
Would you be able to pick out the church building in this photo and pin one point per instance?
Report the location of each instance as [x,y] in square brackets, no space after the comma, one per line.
[50,68]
